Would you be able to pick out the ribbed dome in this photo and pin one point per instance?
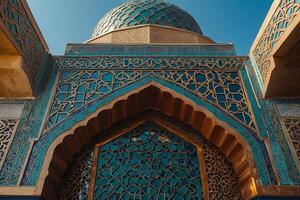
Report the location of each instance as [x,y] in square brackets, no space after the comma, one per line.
[139,12]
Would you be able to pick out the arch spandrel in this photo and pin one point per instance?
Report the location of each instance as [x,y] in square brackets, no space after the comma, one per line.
[82,81]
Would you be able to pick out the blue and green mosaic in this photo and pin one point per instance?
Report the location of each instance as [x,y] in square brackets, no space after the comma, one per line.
[148,162]
[137,12]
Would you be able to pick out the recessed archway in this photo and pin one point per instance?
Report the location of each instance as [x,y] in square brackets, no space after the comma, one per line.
[218,179]
[229,142]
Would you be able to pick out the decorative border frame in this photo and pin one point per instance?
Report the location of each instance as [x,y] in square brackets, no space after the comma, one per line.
[284,115]
[288,138]
[10,139]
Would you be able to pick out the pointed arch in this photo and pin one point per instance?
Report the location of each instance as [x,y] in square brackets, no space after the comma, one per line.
[230,142]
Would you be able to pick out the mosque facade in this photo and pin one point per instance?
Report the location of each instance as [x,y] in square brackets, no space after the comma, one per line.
[150,108]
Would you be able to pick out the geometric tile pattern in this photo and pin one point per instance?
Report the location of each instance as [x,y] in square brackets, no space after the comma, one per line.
[20,144]
[7,131]
[158,63]
[19,147]
[148,162]
[275,131]
[27,129]
[136,12]
[217,166]
[282,17]
[289,110]
[16,21]
[77,88]
[77,178]
[293,130]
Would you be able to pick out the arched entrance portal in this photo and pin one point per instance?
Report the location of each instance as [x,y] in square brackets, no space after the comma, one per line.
[152,157]
[219,135]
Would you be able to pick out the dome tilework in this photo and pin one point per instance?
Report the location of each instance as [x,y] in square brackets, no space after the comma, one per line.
[140,12]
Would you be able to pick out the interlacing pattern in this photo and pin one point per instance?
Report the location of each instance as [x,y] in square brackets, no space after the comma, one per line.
[274,130]
[159,63]
[282,17]
[151,162]
[78,88]
[77,178]
[148,163]
[7,130]
[20,145]
[14,17]
[136,12]
[293,129]
[289,109]
[222,180]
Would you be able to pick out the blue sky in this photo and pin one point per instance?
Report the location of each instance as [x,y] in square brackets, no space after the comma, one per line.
[72,21]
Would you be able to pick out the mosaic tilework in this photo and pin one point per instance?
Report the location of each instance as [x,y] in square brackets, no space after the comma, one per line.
[148,162]
[154,50]
[282,17]
[77,178]
[166,77]
[19,147]
[28,128]
[160,148]
[293,130]
[37,156]
[289,109]
[159,63]
[163,76]
[7,131]
[276,132]
[77,88]
[270,120]
[14,17]
[137,12]
[217,166]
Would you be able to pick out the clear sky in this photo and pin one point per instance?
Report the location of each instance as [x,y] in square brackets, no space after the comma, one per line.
[73,21]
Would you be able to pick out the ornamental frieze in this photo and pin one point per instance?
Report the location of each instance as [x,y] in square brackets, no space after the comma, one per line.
[7,131]
[293,132]
[225,63]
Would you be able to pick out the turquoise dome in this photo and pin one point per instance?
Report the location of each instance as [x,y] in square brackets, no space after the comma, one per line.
[139,12]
